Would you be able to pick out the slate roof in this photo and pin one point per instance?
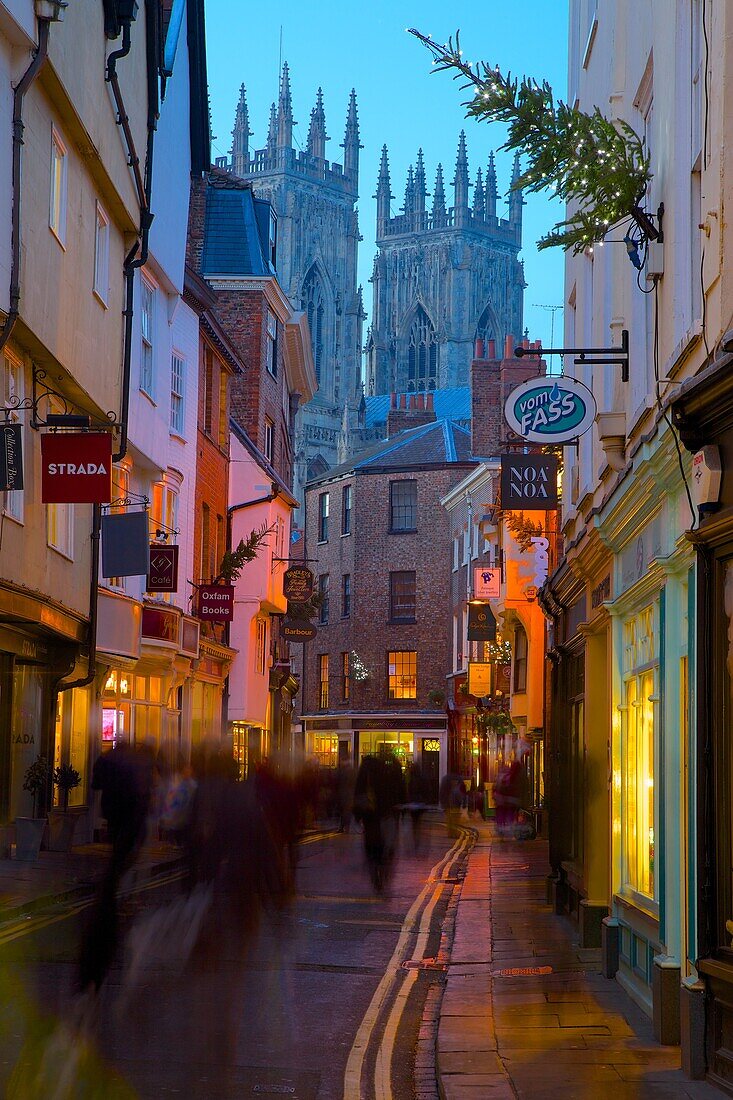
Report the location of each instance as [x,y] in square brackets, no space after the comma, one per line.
[450,404]
[233,243]
[440,443]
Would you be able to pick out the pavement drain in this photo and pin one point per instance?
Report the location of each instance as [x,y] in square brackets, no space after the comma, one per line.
[423,964]
[522,972]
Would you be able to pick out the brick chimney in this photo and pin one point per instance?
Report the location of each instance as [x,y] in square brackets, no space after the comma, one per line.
[492,380]
[413,414]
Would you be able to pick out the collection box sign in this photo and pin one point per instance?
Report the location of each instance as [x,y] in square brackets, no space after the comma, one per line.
[298,584]
[486,582]
[216,603]
[163,572]
[550,410]
[294,631]
[11,457]
[481,623]
[529,481]
[76,468]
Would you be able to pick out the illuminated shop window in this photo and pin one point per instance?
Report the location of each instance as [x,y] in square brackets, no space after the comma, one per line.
[637,752]
[402,674]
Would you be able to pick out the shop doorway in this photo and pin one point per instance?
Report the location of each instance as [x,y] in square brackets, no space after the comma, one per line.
[431,766]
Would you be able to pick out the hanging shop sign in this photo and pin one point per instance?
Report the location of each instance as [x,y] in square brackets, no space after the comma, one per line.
[541,562]
[550,410]
[481,623]
[529,481]
[163,572]
[479,678]
[11,457]
[293,631]
[216,603]
[298,584]
[125,544]
[706,478]
[76,468]
[486,582]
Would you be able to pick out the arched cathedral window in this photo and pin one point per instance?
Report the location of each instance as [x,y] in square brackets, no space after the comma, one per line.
[485,328]
[422,354]
[313,303]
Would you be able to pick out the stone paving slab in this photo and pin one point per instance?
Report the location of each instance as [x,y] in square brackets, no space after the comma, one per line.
[554,1030]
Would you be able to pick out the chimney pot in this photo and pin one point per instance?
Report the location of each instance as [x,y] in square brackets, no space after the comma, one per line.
[478,350]
[421,401]
[403,400]
[508,346]
[393,400]
[413,402]
[525,342]
[430,401]
[491,353]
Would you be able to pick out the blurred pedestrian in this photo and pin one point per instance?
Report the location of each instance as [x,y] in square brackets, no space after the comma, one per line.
[345,783]
[417,802]
[451,795]
[378,793]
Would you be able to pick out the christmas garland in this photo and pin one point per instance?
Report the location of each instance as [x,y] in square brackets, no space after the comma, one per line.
[584,158]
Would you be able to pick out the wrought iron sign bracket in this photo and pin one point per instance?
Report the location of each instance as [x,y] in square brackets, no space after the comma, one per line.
[67,414]
[594,357]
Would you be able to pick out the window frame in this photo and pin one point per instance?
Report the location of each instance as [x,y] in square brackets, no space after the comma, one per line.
[345,676]
[178,423]
[520,657]
[271,331]
[347,500]
[394,687]
[323,678]
[269,440]
[147,337]
[394,592]
[60,523]
[346,595]
[260,646]
[324,591]
[58,200]
[323,516]
[101,254]
[396,488]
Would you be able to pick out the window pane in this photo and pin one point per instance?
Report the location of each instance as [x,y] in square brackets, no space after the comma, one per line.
[403,505]
[323,681]
[177,383]
[346,596]
[402,674]
[402,595]
[346,510]
[323,592]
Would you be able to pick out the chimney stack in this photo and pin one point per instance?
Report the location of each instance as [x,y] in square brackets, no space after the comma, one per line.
[419,411]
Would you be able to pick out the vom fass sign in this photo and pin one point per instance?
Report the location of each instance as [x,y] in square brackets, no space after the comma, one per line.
[550,410]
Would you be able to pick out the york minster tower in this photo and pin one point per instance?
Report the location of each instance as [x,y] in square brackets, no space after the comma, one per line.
[444,276]
[317,241]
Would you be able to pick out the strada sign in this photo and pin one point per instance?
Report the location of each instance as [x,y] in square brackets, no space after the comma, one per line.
[550,410]
[76,468]
[216,603]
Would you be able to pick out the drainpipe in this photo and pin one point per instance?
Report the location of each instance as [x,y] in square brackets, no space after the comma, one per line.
[39,60]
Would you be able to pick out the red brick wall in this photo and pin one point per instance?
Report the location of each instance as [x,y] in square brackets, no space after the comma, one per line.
[212,471]
[492,380]
[371,553]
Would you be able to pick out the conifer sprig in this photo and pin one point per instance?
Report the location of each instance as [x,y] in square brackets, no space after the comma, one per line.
[583,158]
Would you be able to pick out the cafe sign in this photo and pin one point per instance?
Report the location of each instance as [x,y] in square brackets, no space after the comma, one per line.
[550,410]
[163,572]
[76,468]
[298,584]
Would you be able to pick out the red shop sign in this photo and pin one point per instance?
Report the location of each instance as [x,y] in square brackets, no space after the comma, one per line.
[216,603]
[76,468]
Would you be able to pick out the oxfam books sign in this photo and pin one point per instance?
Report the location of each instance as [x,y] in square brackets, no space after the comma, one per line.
[550,410]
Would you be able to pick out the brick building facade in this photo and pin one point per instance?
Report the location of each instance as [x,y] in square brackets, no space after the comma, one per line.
[380,538]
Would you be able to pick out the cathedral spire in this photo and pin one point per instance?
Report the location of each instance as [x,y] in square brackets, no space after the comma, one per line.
[272,132]
[285,111]
[460,182]
[317,136]
[478,196]
[241,135]
[516,202]
[420,192]
[439,199]
[351,145]
[383,194]
[490,190]
[409,207]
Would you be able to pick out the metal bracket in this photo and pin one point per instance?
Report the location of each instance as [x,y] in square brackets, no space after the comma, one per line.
[44,391]
[618,357]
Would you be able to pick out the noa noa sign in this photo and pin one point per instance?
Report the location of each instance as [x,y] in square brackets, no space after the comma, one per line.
[550,410]
[529,481]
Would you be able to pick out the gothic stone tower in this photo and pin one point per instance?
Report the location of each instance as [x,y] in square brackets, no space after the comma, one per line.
[442,278]
[317,241]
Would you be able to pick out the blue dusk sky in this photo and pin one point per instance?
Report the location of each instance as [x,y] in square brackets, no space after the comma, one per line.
[401,102]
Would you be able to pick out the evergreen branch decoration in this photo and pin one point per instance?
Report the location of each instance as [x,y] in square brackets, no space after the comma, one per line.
[523,529]
[585,158]
[235,560]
